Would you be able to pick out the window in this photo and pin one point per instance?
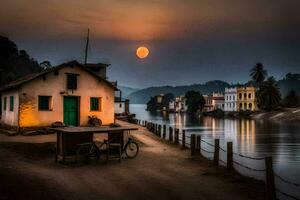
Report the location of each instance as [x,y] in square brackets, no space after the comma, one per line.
[249,95]
[245,96]
[45,103]
[5,103]
[120,105]
[11,103]
[233,98]
[240,95]
[72,81]
[95,104]
[229,97]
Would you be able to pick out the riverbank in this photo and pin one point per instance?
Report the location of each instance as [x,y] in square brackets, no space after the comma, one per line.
[286,115]
[283,115]
[161,171]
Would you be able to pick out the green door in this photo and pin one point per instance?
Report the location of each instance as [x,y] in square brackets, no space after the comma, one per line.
[71,109]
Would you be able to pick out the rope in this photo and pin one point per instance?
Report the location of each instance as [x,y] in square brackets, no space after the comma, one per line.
[248,156]
[222,149]
[222,161]
[208,143]
[286,181]
[287,195]
[258,170]
[207,151]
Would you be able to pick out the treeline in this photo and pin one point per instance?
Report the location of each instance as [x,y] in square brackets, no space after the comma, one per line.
[14,63]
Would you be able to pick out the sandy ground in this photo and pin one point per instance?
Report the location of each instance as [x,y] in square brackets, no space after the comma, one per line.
[161,171]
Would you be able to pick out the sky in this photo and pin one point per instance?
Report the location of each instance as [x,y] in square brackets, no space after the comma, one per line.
[190,41]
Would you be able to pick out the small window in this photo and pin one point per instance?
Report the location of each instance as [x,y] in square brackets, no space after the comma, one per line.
[240,95]
[245,96]
[249,95]
[45,103]
[11,103]
[95,104]
[120,105]
[5,103]
[72,81]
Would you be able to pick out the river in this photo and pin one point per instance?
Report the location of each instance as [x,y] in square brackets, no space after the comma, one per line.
[251,138]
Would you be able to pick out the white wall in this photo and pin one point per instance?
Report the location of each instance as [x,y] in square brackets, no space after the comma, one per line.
[119,107]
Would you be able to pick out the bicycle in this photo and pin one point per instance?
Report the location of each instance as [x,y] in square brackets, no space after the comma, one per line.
[91,149]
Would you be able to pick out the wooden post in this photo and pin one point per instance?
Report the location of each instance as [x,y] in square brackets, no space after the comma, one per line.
[170,134]
[216,153]
[270,183]
[183,138]
[159,130]
[193,144]
[164,131]
[229,156]
[198,144]
[176,139]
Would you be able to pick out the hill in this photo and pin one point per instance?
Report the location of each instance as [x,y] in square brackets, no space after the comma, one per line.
[14,63]
[142,96]
[126,91]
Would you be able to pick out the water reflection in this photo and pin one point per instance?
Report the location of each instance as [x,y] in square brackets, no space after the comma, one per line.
[253,138]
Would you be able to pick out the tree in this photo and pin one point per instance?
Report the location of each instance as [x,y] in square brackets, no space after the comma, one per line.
[195,101]
[268,95]
[153,105]
[45,64]
[258,74]
[14,63]
[290,76]
[292,100]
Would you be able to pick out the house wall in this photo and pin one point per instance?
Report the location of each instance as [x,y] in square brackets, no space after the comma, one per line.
[55,86]
[10,118]
[230,99]
[244,102]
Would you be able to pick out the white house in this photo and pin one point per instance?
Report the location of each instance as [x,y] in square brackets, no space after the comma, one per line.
[231,99]
[67,93]
[178,105]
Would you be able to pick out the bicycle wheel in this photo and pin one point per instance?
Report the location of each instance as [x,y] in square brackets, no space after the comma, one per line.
[84,151]
[131,149]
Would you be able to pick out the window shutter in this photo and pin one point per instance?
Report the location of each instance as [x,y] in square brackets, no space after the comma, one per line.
[71,81]
[5,103]
[11,103]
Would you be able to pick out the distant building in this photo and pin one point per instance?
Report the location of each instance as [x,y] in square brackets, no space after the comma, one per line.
[68,93]
[240,98]
[246,99]
[178,105]
[213,101]
[230,99]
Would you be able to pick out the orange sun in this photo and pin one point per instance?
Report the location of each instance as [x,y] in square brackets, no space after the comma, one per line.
[142,52]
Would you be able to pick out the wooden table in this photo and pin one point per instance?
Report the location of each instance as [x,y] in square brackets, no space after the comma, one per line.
[68,138]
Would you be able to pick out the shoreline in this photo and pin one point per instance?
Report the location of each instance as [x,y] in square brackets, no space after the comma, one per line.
[284,115]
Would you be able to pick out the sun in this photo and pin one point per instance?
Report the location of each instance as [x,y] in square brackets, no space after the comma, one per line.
[142,52]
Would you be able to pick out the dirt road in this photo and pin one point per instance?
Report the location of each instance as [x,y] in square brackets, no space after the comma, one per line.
[161,171]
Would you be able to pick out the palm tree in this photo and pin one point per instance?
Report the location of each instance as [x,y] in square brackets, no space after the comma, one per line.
[268,95]
[258,73]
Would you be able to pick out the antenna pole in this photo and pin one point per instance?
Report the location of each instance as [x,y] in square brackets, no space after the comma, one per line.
[87,46]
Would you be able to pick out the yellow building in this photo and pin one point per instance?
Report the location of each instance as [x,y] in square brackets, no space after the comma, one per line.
[67,93]
[246,99]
